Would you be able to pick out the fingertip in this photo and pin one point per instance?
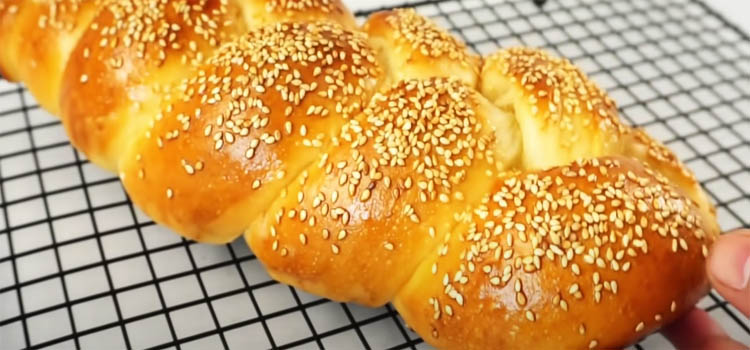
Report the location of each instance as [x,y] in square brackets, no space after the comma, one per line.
[728,268]
[691,328]
[698,331]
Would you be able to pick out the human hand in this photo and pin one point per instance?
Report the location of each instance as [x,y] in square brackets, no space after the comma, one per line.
[729,272]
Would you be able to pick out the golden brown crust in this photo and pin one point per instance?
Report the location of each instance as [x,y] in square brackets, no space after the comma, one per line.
[557,89]
[641,146]
[128,56]
[550,256]
[264,12]
[413,47]
[276,133]
[376,202]
[27,29]
[563,115]
[246,124]
[9,23]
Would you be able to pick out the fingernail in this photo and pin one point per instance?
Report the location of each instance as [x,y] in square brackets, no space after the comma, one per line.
[735,274]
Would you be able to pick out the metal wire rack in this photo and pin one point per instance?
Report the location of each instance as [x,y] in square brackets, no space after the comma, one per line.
[81,267]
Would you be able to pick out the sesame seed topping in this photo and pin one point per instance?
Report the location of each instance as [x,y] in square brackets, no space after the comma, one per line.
[269,64]
[564,223]
[326,6]
[557,90]
[429,130]
[426,37]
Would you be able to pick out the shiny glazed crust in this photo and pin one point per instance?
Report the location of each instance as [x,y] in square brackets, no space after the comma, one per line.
[497,201]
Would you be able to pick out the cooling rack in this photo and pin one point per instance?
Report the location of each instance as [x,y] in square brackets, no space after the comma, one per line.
[81,267]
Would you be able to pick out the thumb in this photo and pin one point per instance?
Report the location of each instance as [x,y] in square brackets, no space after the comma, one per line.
[729,268]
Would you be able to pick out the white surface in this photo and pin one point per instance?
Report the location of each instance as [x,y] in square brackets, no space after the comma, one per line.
[737,11]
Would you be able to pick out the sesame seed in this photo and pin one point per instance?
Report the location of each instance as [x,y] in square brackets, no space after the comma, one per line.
[365,195]
[530,316]
[521,298]
[573,288]
[250,153]
[170,193]
[683,244]
[640,327]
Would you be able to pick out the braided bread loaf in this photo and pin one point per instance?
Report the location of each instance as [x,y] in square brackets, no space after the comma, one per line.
[499,202]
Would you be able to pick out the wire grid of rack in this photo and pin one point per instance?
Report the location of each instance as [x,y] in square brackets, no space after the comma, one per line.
[81,267]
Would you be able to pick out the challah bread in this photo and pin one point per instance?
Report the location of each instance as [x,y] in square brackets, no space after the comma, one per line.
[641,146]
[37,40]
[498,202]
[422,149]
[246,124]
[562,115]
[133,50]
[120,70]
[382,197]
[591,255]
[412,47]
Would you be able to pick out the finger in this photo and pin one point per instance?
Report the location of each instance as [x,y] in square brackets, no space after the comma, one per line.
[729,268]
[698,331]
